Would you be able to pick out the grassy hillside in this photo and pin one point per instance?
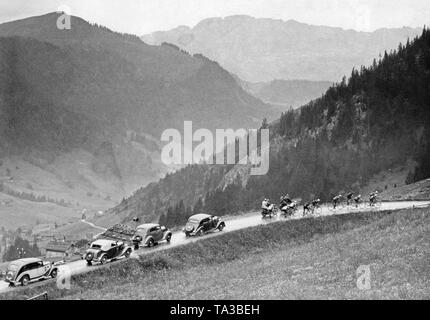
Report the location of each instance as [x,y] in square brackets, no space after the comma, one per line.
[308,258]
[392,185]
[16,213]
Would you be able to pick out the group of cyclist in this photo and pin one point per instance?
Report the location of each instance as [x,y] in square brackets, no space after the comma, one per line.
[288,207]
[350,199]
[309,207]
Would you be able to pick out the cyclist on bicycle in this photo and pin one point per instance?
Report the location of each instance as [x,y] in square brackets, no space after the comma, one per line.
[373,197]
[266,207]
[357,200]
[336,200]
[315,204]
[307,208]
[349,198]
[285,200]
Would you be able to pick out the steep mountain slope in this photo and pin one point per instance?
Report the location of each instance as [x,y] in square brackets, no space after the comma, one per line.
[152,201]
[375,121]
[85,108]
[267,49]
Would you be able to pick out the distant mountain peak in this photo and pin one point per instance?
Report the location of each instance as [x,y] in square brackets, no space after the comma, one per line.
[263,49]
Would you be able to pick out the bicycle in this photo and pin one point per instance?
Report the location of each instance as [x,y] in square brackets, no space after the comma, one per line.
[375,203]
[307,209]
[289,210]
[316,207]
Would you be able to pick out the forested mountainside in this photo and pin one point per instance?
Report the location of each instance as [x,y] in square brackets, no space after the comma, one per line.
[183,186]
[263,49]
[377,119]
[82,110]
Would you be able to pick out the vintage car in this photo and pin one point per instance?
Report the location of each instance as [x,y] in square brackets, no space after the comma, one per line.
[24,271]
[201,223]
[150,234]
[102,251]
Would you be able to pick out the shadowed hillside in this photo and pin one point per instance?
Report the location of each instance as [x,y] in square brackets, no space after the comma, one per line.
[120,79]
[85,107]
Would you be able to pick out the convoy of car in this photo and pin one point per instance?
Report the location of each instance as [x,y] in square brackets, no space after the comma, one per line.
[26,270]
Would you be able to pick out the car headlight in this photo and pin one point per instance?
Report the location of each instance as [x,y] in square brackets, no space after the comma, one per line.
[137,238]
[189,228]
[10,275]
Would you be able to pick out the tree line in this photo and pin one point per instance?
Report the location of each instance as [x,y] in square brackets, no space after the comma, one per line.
[21,249]
[31,197]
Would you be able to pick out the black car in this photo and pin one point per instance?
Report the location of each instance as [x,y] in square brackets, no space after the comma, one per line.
[150,234]
[201,223]
[103,251]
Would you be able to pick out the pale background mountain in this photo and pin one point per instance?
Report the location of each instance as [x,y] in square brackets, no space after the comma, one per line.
[268,49]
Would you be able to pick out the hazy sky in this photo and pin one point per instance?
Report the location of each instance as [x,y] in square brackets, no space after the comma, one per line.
[145,16]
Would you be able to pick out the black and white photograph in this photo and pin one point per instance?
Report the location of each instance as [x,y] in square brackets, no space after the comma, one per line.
[214,156]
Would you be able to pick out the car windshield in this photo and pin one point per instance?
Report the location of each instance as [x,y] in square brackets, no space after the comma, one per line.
[193,221]
[96,246]
[13,267]
[143,230]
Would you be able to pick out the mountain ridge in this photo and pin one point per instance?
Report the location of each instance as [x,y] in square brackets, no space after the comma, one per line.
[262,49]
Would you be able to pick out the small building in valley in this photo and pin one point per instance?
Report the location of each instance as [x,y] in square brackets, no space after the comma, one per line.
[59,249]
